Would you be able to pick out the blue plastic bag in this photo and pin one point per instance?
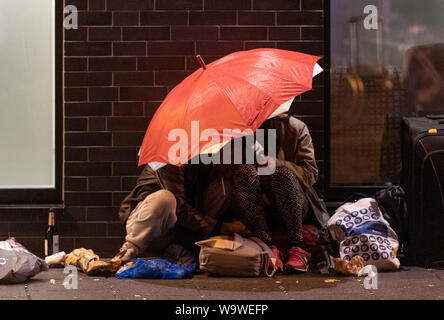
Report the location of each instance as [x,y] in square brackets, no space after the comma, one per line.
[156,269]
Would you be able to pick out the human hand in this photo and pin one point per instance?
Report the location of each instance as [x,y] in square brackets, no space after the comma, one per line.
[234,227]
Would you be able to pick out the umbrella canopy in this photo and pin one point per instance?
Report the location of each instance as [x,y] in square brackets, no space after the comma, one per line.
[237,92]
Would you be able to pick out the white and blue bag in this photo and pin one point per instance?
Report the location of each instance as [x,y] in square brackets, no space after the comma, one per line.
[361,230]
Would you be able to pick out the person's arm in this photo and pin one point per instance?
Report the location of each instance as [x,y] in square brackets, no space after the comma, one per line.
[187,216]
[145,185]
[300,156]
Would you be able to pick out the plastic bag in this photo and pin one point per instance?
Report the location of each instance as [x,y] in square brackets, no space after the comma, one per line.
[361,230]
[155,269]
[18,264]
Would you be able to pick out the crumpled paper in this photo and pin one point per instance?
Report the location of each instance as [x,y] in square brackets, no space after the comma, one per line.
[88,262]
[346,267]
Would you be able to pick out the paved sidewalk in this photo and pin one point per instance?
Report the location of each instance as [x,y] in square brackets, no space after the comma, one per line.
[410,283]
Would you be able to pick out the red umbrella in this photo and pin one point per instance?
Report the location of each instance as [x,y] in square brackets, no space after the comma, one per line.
[239,91]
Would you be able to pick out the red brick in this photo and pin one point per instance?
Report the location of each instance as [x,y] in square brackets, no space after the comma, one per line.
[249,45]
[112,154]
[179,5]
[212,18]
[96,4]
[95,18]
[105,34]
[164,18]
[228,5]
[133,78]
[87,48]
[88,79]
[96,124]
[126,169]
[276,5]
[171,48]
[112,64]
[76,154]
[103,94]
[126,18]
[128,139]
[127,123]
[146,33]
[284,33]
[76,94]
[300,18]
[84,169]
[75,184]
[194,33]
[76,64]
[83,229]
[102,213]
[76,124]
[243,33]
[130,5]
[169,78]
[104,183]
[73,214]
[80,34]
[218,47]
[79,4]
[129,48]
[256,18]
[142,93]
[312,33]
[88,109]
[309,47]
[128,109]
[312,4]
[161,63]
[88,139]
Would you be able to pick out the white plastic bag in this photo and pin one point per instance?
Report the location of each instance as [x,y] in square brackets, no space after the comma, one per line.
[361,229]
[18,264]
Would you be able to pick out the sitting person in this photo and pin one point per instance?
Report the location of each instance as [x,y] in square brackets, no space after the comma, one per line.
[183,204]
[288,190]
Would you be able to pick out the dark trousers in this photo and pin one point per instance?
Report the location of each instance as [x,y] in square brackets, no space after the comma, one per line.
[284,191]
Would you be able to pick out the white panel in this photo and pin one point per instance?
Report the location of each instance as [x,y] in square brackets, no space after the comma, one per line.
[27,103]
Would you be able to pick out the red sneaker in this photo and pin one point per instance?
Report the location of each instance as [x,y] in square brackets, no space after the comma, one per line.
[297,261]
[279,256]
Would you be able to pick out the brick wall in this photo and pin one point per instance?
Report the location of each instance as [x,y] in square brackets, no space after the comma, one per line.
[119,65]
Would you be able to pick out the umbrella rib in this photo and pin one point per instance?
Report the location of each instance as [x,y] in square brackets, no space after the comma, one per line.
[192,93]
[243,80]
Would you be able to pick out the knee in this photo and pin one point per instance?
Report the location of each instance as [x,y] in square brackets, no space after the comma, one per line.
[285,175]
[246,173]
[164,201]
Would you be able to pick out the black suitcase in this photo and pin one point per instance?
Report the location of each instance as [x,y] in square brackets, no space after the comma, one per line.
[423,182]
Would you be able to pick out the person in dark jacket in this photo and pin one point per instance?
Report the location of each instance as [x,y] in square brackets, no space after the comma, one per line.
[184,204]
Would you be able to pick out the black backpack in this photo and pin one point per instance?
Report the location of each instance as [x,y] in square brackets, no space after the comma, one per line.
[393,205]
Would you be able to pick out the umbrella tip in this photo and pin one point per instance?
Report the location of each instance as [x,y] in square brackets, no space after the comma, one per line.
[202,63]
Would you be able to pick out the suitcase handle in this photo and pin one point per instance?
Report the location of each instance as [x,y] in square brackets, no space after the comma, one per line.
[436,117]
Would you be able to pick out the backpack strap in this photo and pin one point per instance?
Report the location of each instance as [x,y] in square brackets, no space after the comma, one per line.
[269,257]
